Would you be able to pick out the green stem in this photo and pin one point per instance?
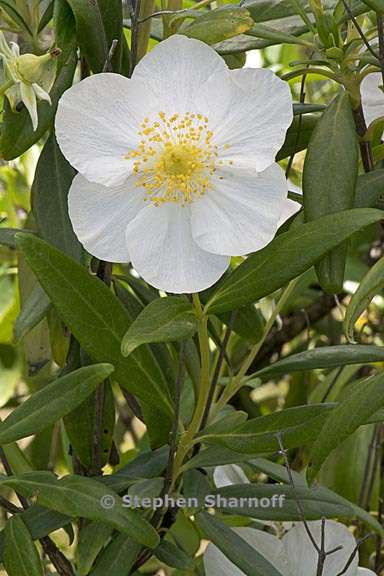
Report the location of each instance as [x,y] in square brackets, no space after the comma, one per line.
[237,381]
[186,441]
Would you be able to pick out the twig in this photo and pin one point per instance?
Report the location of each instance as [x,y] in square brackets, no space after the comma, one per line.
[321,553]
[331,385]
[365,145]
[352,556]
[358,28]
[134,34]
[283,452]
[175,424]
[108,63]
[218,366]
[380,33]
[8,506]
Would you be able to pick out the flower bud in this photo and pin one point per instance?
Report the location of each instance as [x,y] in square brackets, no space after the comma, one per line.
[30,68]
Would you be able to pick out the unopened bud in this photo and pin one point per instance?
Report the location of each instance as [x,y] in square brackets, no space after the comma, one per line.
[30,68]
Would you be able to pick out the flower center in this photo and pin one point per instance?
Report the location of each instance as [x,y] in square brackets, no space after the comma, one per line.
[175,159]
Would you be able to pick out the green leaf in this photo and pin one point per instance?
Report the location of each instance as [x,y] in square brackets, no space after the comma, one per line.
[329,180]
[20,555]
[360,404]
[117,558]
[50,188]
[287,256]
[82,497]
[276,36]
[217,25]
[370,285]
[251,562]
[92,538]
[146,465]
[370,190]
[98,23]
[99,321]
[52,402]
[32,311]
[297,426]
[324,357]
[163,320]
[173,556]
[9,7]
[298,135]
[7,236]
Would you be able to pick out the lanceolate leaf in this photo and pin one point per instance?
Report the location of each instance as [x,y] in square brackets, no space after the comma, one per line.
[251,562]
[33,310]
[324,357]
[371,284]
[20,555]
[82,497]
[360,404]
[287,256]
[163,320]
[98,23]
[329,179]
[297,427]
[52,402]
[50,188]
[99,322]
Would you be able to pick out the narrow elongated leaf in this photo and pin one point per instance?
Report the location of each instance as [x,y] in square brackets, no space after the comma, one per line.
[98,23]
[361,403]
[50,189]
[99,322]
[370,190]
[32,312]
[297,426]
[117,558]
[20,555]
[371,284]
[298,135]
[92,538]
[251,562]
[324,357]
[82,497]
[329,180]
[7,236]
[146,465]
[52,402]
[288,256]
[163,320]
[173,556]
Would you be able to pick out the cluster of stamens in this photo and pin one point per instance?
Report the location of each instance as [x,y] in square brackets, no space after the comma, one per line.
[175,158]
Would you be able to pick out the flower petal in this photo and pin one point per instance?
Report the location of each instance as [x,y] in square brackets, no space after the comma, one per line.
[303,557]
[242,213]
[28,96]
[269,546]
[257,118]
[372,97]
[163,252]
[228,475]
[176,70]
[100,216]
[97,124]
[365,572]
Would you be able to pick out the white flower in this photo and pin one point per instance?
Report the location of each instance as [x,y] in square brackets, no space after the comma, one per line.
[30,77]
[294,554]
[176,165]
[372,97]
